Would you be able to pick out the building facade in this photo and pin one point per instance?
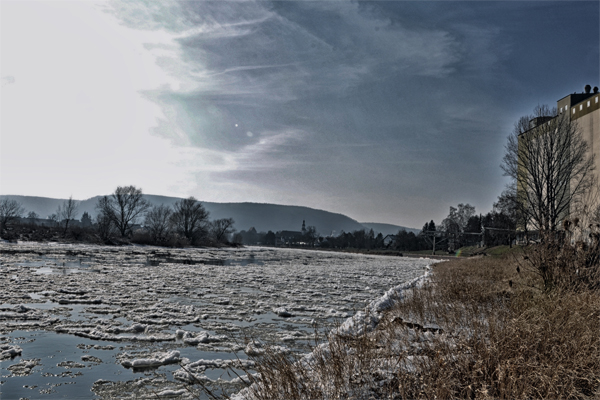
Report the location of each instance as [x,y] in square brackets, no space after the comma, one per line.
[580,111]
[585,109]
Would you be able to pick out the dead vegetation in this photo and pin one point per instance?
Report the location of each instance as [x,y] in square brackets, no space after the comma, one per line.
[480,328]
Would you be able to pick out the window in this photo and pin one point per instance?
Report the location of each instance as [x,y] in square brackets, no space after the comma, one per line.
[573,111]
[580,107]
[596,99]
[589,103]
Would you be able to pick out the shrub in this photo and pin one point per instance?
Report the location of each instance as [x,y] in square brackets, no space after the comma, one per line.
[142,237]
[565,263]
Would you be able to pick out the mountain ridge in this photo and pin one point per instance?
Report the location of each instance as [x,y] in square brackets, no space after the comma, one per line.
[261,216]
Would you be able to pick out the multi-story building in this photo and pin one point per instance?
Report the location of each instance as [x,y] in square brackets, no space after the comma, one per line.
[584,108]
[582,111]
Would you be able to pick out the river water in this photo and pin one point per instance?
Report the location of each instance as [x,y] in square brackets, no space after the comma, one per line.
[120,322]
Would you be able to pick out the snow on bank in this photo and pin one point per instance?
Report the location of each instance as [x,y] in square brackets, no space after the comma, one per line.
[361,323]
[367,320]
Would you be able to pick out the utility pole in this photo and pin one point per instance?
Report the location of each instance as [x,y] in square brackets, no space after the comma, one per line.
[431,237]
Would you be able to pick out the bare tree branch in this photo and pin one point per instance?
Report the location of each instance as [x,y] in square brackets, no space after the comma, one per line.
[67,212]
[190,219]
[9,210]
[221,228]
[123,207]
[158,223]
[550,163]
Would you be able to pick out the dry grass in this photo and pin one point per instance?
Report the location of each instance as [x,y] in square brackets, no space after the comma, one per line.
[478,329]
[503,342]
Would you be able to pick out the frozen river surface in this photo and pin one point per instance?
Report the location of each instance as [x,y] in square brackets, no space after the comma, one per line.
[81,322]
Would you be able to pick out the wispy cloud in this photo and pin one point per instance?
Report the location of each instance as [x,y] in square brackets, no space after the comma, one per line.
[250,61]
[386,110]
[327,87]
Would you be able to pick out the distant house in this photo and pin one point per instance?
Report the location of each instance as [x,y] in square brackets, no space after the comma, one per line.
[287,238]
[86,220]
[389,240]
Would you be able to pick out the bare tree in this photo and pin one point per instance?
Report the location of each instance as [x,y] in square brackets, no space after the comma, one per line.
[9,210]
[67,211]
[123,207]
[32,216]
[54,219]
[585,215]
[507,204]
[105,225]
[551,166]
[221,228]
[311,235]
[457,219]
[190,219]
[158,223]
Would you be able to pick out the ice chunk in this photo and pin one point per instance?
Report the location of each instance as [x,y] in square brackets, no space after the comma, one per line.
[163,359]
[256,349]
[9,351]
[24,367]
[283,312]
[171,393]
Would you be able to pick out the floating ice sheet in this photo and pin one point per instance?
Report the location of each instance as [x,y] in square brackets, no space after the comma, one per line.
[203,303]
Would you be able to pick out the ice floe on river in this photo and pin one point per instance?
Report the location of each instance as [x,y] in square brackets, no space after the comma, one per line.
[136,307]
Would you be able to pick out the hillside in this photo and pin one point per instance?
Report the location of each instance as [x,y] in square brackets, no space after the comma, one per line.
[263,217]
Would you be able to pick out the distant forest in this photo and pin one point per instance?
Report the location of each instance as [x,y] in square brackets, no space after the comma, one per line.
[129,216]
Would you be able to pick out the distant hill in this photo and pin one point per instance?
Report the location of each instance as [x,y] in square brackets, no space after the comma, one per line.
[388,229]
[263,217]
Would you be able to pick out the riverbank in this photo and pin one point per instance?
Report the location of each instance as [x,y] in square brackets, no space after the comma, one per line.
[481,327]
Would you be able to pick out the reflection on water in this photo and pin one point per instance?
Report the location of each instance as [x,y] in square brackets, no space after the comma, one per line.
[69,366]
[62,373]
[48,265]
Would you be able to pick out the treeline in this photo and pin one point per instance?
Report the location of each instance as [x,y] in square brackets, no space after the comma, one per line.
[126,217]
[464,227]
[366,239]
[357,239]
[122,217]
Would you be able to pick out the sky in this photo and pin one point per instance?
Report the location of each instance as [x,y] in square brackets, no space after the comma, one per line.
[386,111]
